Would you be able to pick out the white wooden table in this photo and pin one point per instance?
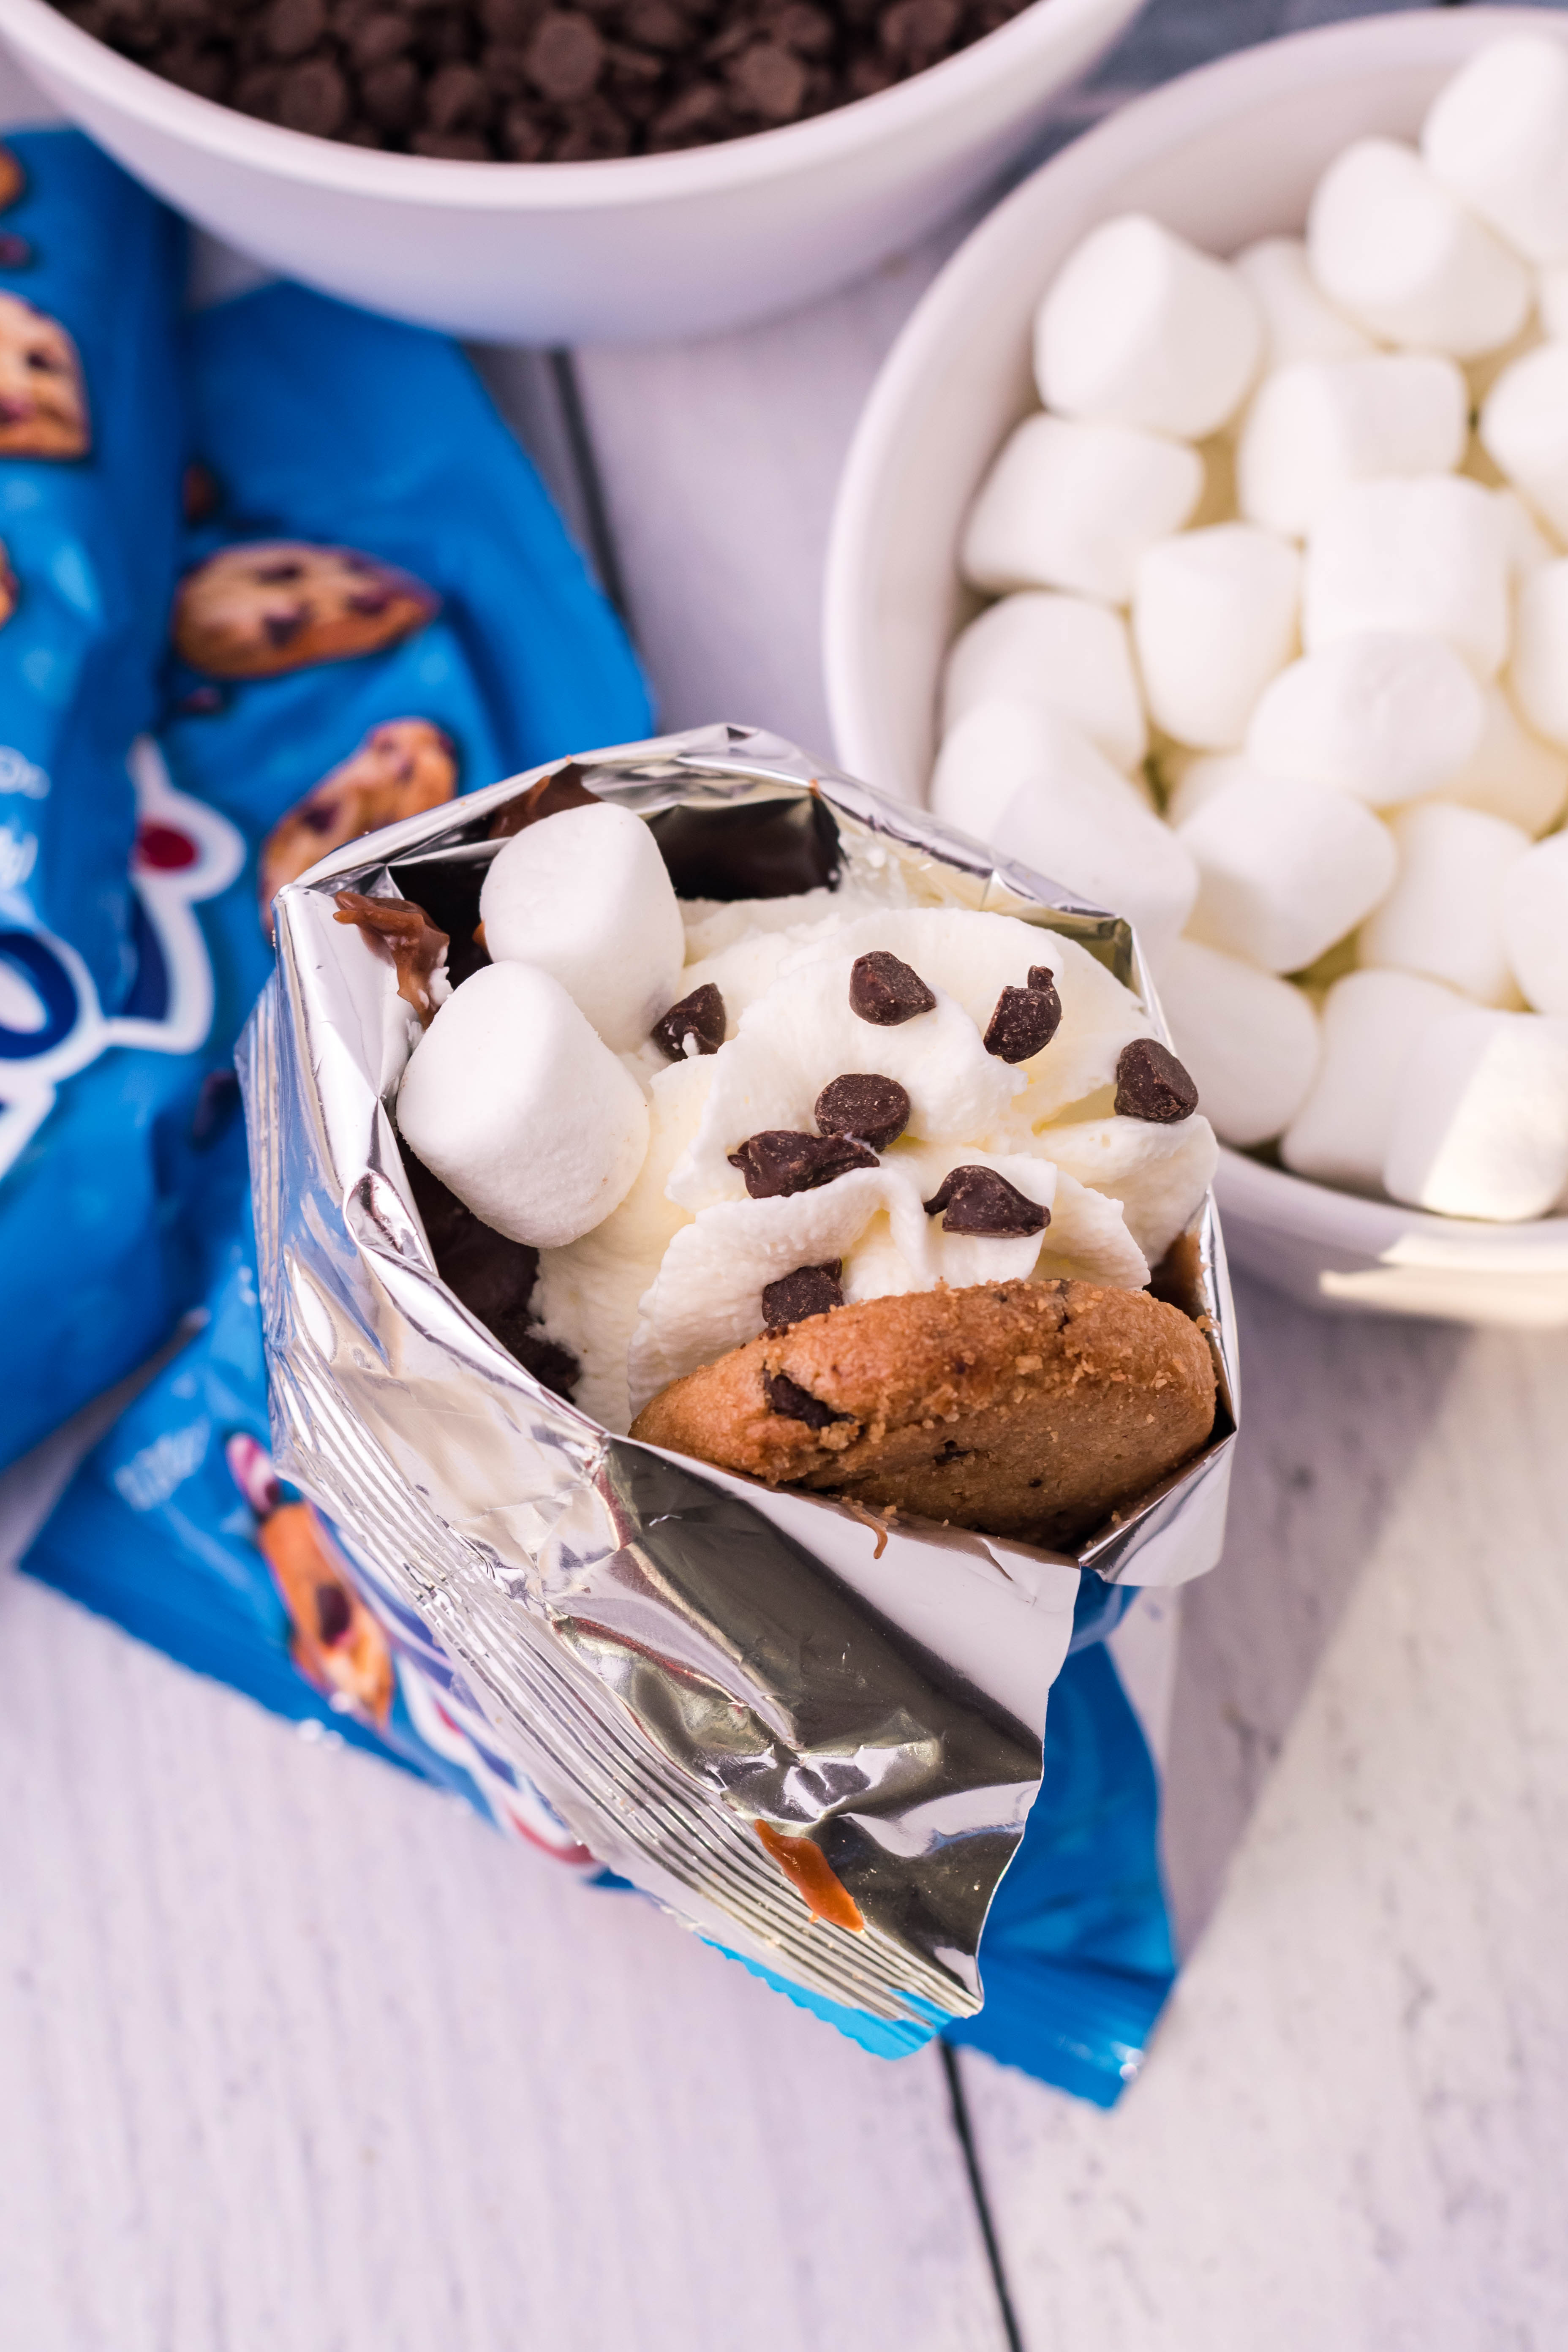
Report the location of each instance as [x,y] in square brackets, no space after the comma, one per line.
[296,2054]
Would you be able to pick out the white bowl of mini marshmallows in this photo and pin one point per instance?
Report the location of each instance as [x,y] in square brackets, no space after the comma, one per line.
[1203,546]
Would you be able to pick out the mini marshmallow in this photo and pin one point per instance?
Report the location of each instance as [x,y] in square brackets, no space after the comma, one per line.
[1250,1041]
[1298,323]
[1535,924]
[1370,1022]
[1202,778]
[1062,808]
[1385,717]
[1317,426]
[1524,430]
[1389,244]
[1539,676]
[1480,1118]
[1510,773]
[1061,652]
[1552,300]
[1426,557]
[1139,328]
[1284,873]
[1214,618]
[1074,506]
[585,895]
[521,1110]
[999,747]
[1496,135]
[1443,917]
[1525,542]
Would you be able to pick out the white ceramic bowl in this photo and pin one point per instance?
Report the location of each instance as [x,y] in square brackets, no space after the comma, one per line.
[1226,154]
[652,246]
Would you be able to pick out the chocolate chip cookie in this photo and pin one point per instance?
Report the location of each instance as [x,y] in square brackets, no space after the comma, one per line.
[1021,1409]
[270,605]
[402,768]
[43,401]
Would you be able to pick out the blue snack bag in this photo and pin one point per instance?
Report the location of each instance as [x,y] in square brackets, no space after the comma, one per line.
[92,446]
[90,964]
[325,438]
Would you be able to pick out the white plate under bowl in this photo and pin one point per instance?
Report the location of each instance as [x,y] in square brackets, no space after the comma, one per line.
[1226,154]
[650,245]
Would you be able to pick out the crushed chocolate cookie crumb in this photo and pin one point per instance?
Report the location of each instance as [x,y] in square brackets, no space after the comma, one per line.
[809,1290]
[887,991]
[777,1161]
[1152,1084]
[700,1016]
[978,1201]
[863,1104]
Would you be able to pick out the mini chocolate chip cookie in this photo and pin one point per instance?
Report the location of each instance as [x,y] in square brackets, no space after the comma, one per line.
[1021,1409]
[10,589]
[270,605]
[12,178]
[43,401]
[402,768]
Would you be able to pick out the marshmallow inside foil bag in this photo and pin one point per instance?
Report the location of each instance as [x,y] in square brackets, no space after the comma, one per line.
[733,1696]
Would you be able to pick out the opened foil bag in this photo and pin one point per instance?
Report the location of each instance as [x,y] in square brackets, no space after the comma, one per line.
[718,1688]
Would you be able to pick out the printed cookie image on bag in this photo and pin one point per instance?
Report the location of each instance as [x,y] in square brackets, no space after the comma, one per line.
[333,1640]
[255,611]
[43,400]
[402,768]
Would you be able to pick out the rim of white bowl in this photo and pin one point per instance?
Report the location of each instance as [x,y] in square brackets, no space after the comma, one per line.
[39,29]
[1171,116]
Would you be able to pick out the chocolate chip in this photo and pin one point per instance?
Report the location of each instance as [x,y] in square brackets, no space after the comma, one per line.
[281,629]
[979,1200]
[334,1613]
[877,1109]
[887,993]
[786,1397]
[777,1162]
[379,38]
[15,253]
[809,1290]
[565,55]
[1152,1084]
[292,27]
[767,80]
[314,97]
[1026,1019]
[201,702]
[390,94]
[456,99]
[700,1016]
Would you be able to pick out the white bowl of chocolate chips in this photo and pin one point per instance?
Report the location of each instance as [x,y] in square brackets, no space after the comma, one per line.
[563,171]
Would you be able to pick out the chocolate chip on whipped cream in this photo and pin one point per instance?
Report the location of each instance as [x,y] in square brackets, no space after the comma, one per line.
[874,1110]
[887,991]
[809,1290]
[1026,1019]
[777,1162]
[1150,1084]
[693,1027]
[979,1200]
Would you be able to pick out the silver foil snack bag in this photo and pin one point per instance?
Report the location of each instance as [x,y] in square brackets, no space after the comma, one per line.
[813,1737]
